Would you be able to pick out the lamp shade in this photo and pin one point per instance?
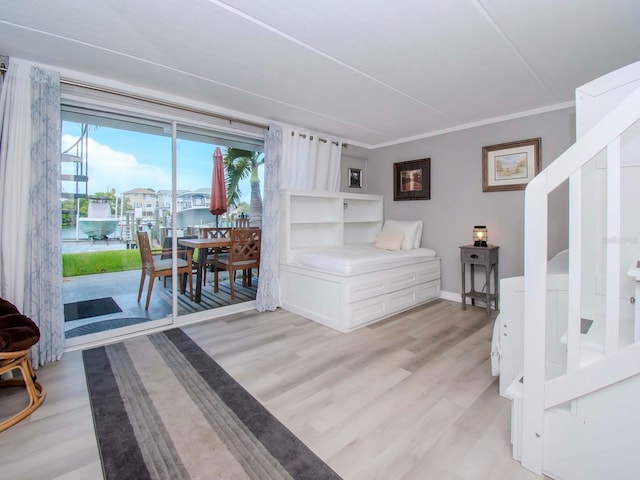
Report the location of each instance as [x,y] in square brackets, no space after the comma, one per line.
[480,236]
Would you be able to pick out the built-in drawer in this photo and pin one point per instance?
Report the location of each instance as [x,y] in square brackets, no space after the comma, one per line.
[428,290]
[367,289]
[401,300]
[474,256]
[429,271]
[400,280]
[365,311]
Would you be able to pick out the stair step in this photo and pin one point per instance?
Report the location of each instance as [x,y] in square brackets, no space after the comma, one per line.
[515,389]
[592,338]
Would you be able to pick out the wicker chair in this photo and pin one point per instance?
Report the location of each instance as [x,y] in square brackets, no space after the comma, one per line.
[18,334]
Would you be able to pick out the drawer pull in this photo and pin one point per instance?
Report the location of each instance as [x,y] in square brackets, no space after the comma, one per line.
[474,256]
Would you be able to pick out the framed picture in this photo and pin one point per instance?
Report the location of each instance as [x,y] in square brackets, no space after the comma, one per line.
[412,180]
[355,178]
[510,166]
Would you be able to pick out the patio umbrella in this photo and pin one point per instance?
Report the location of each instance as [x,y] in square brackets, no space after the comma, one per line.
[218,203]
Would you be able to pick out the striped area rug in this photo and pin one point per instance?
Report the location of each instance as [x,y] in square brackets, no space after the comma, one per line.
[164,409]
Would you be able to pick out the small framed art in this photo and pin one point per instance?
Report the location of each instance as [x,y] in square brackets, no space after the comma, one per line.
[510,166]
[355,178]
[412,180]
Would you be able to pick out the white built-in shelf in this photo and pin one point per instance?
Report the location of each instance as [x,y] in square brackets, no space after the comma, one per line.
[316,219]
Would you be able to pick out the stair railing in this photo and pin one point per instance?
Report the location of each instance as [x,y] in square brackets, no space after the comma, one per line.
[539,394]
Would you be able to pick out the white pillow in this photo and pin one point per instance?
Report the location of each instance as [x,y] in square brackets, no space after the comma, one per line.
[418,239]
[409,230]
[388,241]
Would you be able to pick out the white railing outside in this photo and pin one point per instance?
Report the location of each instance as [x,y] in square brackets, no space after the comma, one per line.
[616,365]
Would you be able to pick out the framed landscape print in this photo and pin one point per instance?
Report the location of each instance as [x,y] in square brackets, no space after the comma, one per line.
[510,166]
[412,180]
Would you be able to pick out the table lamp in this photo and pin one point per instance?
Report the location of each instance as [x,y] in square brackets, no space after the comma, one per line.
[480,236]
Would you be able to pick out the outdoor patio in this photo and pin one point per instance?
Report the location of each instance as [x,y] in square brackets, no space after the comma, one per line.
[122,287]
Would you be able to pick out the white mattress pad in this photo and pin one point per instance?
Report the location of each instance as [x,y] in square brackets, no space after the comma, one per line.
[359,258]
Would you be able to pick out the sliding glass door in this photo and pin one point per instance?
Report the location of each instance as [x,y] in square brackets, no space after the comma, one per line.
[112,167]
[129,185]
[197,216]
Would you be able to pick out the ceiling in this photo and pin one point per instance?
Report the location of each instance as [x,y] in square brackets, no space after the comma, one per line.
[373,72]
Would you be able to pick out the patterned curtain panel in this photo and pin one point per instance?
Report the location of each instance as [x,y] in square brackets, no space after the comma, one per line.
[268,295]
[30,239]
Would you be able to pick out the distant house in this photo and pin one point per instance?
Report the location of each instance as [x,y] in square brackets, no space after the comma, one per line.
[143,201]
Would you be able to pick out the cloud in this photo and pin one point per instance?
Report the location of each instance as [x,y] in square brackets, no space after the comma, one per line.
[109,169]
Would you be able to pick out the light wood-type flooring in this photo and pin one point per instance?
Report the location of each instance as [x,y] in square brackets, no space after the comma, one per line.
[411,397]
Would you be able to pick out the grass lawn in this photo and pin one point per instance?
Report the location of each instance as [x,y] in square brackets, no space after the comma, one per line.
[75,264]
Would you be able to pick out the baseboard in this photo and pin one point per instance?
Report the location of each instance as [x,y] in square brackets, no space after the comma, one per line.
[456,297]
[453,296]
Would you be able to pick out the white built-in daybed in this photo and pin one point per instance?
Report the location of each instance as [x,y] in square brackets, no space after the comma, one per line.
[341,265]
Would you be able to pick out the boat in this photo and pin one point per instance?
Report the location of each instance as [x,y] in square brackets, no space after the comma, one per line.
[98,228]
[193,210]
[99,224]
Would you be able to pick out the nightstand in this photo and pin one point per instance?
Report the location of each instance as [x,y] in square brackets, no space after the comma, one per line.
[486,257]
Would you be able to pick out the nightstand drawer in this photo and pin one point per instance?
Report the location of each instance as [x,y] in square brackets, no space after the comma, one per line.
[474,256]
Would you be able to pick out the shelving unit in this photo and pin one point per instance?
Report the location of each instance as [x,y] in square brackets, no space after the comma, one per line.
[320,219]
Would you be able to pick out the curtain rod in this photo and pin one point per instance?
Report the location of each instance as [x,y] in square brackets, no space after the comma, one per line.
[323,140]
[163,103]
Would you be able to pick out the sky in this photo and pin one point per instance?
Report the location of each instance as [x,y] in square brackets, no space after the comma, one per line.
[124,160]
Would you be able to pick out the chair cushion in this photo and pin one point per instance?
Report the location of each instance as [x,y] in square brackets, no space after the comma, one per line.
[167,264]
[17,332]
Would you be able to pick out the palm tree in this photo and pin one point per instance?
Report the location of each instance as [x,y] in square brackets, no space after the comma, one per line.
[239,164]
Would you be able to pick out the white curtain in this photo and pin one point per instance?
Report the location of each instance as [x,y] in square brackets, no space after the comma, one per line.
[30,215]
[310,161]
[307,162]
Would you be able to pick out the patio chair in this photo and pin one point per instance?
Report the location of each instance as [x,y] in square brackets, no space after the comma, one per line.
[214,232]
[241,222]
[244,254]
[167,245]
[157,268]
[18,333]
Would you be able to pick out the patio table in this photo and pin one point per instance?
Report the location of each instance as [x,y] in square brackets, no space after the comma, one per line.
[203,245]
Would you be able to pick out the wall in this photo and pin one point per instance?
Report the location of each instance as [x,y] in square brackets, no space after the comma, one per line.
[356,158]
[457,200]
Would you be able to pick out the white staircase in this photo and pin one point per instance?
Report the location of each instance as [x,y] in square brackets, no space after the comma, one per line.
[578,417]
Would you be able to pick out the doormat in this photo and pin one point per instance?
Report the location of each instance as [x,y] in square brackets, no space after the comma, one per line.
[104,325]
[90,308]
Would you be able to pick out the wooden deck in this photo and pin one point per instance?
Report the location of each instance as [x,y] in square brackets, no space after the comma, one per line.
[123,288]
